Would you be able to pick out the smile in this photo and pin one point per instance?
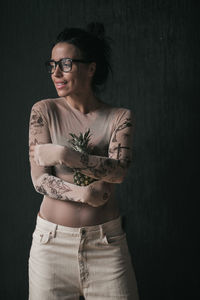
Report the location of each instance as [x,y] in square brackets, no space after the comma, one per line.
[60,85]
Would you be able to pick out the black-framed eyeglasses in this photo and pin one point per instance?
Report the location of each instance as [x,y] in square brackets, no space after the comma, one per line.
[65,64]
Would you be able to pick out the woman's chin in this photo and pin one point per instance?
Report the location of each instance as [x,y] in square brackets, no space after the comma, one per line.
[63,93]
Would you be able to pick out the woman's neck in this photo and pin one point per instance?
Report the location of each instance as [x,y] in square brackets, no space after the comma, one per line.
[85,103]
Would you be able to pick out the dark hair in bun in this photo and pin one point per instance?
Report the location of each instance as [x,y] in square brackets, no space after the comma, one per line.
[97,29]
[94,46]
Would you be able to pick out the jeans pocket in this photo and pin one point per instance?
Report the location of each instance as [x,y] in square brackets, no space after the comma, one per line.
[114,238]
[41,236]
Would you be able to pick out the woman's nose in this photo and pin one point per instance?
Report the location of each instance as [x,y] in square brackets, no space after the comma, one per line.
[57,71]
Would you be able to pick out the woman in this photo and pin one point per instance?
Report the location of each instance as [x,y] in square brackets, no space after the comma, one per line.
[80,147]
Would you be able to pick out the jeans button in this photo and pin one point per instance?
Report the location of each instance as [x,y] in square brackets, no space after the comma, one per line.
[83,231]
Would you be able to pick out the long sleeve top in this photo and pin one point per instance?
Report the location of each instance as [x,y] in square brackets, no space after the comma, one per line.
[110,147]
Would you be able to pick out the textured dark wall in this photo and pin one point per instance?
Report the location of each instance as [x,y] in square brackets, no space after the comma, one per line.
[156,74]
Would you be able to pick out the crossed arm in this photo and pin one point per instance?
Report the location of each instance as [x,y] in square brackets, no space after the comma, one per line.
[106,170]
[47,184]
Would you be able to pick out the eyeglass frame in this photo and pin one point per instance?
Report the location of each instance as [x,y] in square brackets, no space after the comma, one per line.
[58,62]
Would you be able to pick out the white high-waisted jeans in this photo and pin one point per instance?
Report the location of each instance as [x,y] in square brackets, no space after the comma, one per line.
[93,261]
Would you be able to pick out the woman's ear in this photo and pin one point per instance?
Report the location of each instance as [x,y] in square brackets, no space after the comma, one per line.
[92,69]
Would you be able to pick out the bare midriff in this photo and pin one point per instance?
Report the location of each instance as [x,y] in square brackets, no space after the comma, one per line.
[76,214]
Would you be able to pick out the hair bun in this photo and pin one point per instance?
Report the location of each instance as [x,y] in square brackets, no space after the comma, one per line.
[97,29]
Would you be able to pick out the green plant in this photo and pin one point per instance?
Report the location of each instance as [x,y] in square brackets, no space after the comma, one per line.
[80,144]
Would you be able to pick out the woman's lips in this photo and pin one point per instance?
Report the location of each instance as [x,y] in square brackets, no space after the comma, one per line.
[60,85]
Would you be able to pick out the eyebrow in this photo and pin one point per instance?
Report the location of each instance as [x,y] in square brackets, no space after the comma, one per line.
[60,58]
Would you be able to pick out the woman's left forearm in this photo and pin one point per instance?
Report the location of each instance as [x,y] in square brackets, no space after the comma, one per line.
[98,167]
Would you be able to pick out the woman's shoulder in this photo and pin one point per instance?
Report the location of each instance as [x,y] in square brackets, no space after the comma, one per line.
[46,102]
[46,105]
[118,115]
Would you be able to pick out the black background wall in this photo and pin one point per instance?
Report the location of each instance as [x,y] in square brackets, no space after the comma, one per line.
[156,74]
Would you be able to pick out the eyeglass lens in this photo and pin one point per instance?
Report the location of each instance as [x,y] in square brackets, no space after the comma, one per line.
[64,64]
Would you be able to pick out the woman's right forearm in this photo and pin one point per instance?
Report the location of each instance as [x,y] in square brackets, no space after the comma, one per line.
[95,194]
[59,189]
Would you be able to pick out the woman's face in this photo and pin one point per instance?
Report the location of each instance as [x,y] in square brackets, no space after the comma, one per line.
[77,81]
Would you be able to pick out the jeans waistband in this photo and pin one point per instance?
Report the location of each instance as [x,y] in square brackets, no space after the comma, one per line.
[109,225]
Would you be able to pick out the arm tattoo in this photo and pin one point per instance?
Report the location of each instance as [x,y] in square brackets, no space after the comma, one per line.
[119,156]
[55,187]
[36,123]
[127,123]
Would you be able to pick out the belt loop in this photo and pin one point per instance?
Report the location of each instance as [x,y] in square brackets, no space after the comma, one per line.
[101,232]
[54,230]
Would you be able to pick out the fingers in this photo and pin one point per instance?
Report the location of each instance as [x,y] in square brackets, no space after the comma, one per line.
[31,150]
[32,147]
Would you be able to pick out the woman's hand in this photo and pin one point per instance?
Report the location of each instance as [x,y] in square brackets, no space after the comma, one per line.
[98,193]
[46,154]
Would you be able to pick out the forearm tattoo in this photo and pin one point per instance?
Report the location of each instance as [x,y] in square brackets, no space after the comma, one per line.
[54,187]
[119,156]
